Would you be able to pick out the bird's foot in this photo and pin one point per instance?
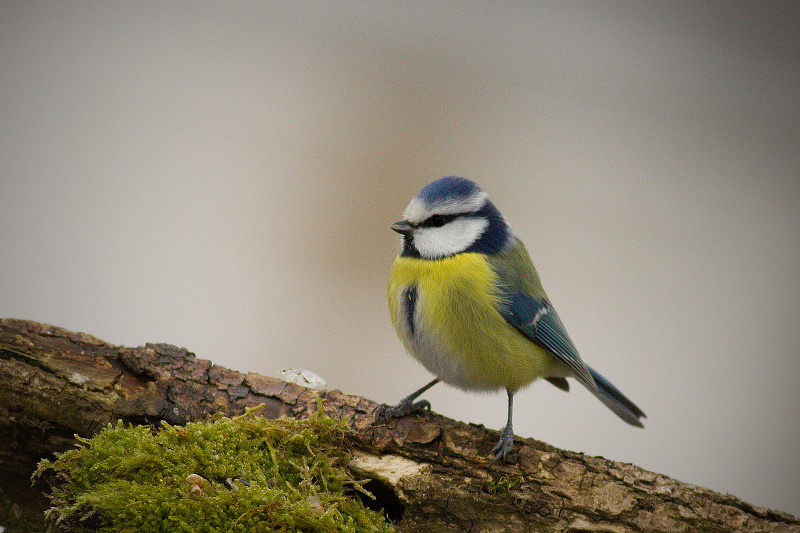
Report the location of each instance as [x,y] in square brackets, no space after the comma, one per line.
[504,445]
[404,408]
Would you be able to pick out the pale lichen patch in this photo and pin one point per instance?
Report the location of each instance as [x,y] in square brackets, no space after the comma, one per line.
[387,468]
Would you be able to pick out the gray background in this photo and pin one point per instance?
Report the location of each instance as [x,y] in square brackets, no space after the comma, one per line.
[221,176]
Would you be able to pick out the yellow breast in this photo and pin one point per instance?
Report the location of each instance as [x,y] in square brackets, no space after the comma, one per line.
[455,328]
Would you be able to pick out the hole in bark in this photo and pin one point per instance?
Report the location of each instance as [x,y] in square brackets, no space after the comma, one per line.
[385,500]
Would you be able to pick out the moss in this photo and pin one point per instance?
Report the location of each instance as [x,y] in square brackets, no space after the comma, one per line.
[244,474]
[503,484]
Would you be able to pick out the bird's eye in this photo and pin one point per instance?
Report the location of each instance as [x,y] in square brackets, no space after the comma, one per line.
[437,221]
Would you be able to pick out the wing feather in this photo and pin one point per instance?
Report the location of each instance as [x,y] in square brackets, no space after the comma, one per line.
[525,306]
[537,320]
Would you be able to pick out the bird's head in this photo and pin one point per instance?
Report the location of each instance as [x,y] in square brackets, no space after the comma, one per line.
[449,216]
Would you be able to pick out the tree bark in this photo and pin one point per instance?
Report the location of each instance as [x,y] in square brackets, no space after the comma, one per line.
[429,472]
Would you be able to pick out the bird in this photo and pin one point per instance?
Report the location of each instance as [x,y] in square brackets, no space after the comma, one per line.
[468,304]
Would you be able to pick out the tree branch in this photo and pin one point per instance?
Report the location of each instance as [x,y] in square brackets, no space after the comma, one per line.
[430,472]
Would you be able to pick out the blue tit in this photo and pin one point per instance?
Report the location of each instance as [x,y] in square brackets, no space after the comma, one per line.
[466,301]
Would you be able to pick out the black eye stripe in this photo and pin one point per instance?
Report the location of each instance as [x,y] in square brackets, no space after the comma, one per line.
[436,221]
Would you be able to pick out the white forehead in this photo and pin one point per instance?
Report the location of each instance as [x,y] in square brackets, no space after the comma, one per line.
[419,210]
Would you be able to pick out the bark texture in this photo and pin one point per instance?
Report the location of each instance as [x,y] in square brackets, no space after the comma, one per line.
[429,472]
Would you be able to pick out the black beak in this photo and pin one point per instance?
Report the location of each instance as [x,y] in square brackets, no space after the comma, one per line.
[403,227]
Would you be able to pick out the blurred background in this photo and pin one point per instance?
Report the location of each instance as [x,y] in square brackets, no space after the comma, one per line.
[221,176]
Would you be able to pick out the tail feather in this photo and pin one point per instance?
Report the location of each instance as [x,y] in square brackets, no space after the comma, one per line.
[616,401]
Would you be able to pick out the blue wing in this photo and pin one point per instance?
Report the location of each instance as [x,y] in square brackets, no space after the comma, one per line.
[537,320]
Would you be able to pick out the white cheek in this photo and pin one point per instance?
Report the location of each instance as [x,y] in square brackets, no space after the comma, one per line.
[449,239]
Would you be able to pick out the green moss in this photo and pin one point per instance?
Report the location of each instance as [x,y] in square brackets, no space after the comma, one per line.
[256,475]
[503,484]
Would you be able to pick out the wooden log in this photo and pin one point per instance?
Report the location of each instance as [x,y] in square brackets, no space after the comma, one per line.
[429,472]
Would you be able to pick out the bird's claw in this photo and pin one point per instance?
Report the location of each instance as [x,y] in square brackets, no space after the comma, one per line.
[503,446]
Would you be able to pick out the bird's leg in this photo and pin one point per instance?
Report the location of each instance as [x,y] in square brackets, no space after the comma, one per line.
[406,405]
[506,442]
